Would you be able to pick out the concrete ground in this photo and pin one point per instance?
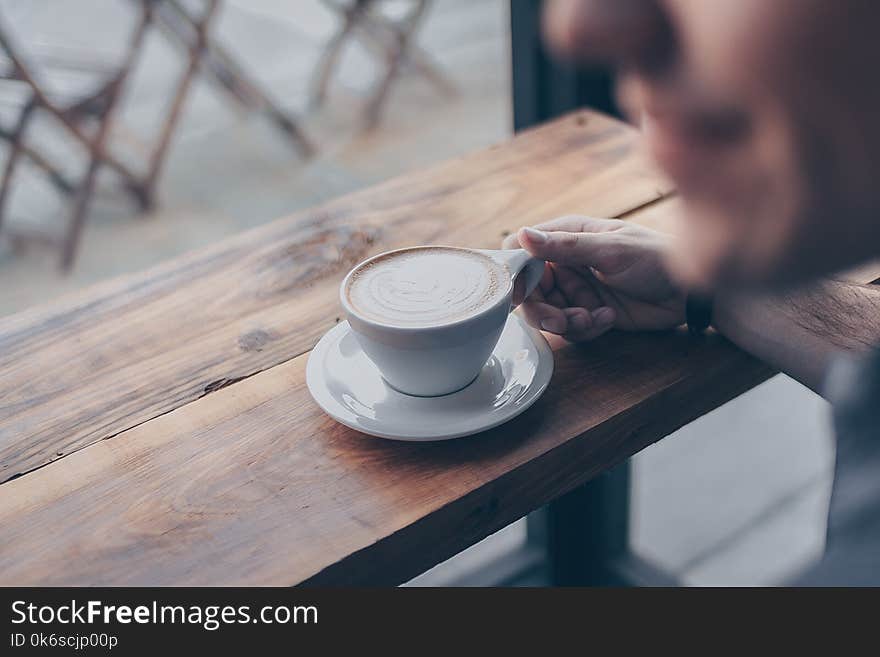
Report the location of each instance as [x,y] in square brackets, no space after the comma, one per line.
[736,498]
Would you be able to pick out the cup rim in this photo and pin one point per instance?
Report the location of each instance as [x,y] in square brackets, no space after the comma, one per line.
[350,310]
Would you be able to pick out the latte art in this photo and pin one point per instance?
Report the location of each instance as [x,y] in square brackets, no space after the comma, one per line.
[427,286]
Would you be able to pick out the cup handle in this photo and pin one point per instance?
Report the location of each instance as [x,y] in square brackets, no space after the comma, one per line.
[519,261]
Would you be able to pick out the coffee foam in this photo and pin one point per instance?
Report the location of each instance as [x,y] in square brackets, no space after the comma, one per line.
[426,286]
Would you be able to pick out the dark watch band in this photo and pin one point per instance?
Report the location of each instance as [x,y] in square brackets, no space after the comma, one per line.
[698,312]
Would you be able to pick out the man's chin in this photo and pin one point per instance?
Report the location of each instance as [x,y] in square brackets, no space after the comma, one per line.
[696,273]
[698,260]
[691,273]
[700,268]
[711,252]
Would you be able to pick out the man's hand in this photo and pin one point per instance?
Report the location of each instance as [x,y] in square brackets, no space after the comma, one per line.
[601,273]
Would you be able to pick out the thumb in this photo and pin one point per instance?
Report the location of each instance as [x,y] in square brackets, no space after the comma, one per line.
[575,249]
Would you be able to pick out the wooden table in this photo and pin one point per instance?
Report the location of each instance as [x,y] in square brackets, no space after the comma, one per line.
[157,430]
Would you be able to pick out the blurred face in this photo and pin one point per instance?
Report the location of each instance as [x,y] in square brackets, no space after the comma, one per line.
[766,114]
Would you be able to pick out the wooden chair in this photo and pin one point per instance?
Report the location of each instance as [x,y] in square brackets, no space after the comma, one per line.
[86,117]
[192,32]
[188,29]
[392,40]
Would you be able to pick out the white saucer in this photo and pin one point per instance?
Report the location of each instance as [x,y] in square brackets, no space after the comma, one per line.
[347,385]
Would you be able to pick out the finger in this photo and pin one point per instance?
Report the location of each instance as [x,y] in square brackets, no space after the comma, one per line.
[577,287]
[543,316]
[579,223]
[510,242]
[556,298]
[570,248]
[583,325]
[575,223]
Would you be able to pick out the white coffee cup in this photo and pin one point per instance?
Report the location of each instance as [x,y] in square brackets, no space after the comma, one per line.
[429,361]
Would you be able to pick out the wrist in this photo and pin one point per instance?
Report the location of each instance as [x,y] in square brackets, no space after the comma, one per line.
[729,310]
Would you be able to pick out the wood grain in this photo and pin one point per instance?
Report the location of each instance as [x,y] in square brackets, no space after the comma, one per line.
[101,362]
[254,485]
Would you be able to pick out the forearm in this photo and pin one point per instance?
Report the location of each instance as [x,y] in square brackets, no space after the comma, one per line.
[800,332]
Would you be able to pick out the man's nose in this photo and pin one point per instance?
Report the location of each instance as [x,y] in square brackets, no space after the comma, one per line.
[630,33]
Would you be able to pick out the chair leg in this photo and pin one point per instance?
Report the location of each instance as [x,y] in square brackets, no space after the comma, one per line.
[71,117]
[374,107]
[223,69]
[15,151]
[87,187]
[157,159]
[383,34]
[78,215]
[330,56]
[424,63]
[397,41]
[97,146]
